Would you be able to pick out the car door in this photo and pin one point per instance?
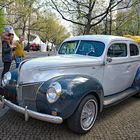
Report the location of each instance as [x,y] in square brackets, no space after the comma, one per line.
[116,71]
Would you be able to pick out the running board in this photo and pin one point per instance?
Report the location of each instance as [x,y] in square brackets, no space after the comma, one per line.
[112,99]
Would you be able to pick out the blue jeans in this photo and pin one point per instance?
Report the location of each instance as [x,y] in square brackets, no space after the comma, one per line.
[18,60]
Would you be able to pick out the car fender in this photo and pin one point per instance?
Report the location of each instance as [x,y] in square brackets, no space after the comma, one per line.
[74,89]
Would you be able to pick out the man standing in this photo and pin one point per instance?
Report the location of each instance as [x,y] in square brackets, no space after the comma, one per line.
[19,51]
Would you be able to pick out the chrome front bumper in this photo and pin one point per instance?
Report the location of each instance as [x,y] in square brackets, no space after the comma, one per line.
[29,113]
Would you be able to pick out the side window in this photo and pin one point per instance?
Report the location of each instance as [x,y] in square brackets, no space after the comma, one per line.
[134,50]
[117,50]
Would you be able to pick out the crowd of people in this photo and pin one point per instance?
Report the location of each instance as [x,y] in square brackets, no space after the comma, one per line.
[11,50]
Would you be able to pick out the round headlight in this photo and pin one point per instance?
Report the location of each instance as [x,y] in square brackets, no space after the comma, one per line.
[6,78]
[54,92]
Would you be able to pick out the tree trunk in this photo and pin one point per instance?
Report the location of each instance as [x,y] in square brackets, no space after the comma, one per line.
[29,28]
[24,28]
[87,29]
[106,26]
[138,19]
[110,28]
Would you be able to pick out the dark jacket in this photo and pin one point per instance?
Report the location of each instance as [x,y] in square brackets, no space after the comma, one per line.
[6,52]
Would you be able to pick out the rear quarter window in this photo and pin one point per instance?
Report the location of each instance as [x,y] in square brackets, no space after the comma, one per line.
[134,51]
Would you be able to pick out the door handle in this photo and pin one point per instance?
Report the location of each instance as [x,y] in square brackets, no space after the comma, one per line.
[109,59]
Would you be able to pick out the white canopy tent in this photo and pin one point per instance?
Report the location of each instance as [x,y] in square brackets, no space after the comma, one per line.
[15,36]
[37,40]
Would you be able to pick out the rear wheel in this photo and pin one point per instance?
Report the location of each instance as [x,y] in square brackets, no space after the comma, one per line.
[85,115]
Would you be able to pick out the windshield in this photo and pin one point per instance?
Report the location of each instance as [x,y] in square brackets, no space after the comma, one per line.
[84,47]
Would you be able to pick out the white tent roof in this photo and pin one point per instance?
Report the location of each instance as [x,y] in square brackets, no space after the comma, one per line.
[15,36]
[37,40]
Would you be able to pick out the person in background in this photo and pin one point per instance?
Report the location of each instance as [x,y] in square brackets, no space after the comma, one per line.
[7,52]
[19,51]
[27,47]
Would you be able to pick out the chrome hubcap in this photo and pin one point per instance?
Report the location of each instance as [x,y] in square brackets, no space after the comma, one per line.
[88,115]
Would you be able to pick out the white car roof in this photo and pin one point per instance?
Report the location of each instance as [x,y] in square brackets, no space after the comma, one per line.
[102,38]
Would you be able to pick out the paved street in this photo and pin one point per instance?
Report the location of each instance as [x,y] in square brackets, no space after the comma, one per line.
[120,122]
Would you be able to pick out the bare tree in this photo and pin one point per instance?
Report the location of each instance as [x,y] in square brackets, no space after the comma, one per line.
[88,13]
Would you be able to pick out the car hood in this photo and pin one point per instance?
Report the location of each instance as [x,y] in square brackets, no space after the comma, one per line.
[54,62]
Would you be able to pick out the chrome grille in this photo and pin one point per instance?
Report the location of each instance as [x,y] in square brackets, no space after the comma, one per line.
[27,95]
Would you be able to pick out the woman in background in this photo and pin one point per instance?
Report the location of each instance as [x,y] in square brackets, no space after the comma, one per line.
[19,51]
[7,53]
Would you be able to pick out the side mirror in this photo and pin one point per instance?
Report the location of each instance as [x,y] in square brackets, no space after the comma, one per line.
[109,59]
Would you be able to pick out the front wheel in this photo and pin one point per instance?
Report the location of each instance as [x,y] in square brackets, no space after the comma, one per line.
[85,115]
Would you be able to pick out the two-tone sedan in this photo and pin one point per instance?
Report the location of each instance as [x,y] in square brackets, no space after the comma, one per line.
[89,73]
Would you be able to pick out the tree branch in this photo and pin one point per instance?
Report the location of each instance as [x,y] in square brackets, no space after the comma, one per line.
[56,8]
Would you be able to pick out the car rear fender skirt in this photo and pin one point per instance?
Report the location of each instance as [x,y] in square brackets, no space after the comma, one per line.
[74,89]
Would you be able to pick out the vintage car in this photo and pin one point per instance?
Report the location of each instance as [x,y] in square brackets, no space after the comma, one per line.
[89,73]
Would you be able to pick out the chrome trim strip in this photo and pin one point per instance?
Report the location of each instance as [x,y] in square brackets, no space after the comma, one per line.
[33,114]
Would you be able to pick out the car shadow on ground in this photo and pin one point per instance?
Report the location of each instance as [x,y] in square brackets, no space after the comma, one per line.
[112,123]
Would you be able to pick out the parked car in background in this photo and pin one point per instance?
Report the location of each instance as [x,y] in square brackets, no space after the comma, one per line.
[34,47]
[89,73]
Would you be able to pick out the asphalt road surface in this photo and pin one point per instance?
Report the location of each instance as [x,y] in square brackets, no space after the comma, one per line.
[119,122]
